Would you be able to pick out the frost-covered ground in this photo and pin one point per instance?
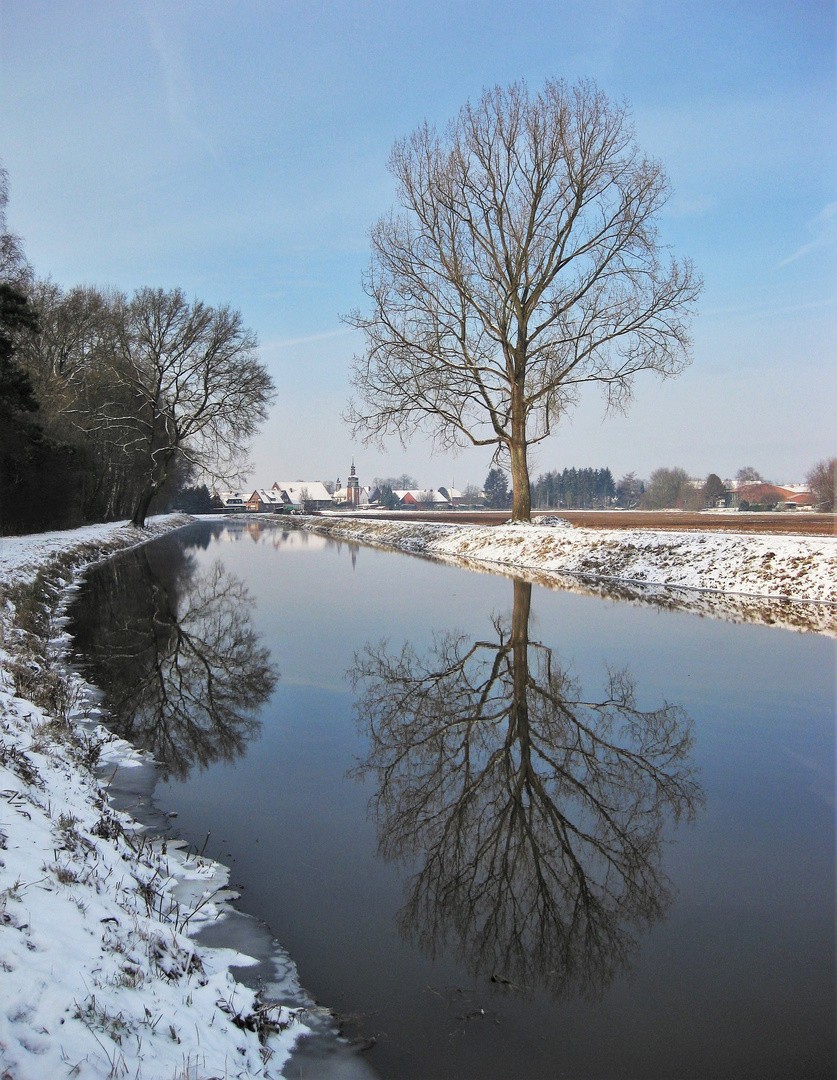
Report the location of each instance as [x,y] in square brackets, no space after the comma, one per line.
[788,581]
[100,974]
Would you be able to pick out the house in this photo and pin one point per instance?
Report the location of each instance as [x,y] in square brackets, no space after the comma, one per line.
[303,494]
[760,493]
[454,497]
[262,501]
[230,501]
[422,499]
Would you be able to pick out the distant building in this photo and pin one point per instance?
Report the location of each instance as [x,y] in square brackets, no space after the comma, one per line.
[304,494]
[760,493]
[263,501]
[353,488]
[421,499]
[352,495]
[454,497]
[230,501]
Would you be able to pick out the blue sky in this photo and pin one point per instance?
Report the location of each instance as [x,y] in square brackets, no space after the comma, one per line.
[239,151]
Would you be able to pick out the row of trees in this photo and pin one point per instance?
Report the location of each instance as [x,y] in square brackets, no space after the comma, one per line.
[109,403]
[666,489]
[574,489]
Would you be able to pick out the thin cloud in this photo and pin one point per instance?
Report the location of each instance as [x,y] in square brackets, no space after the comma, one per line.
[825,225]
[288,342]
[180,94]
[769,309]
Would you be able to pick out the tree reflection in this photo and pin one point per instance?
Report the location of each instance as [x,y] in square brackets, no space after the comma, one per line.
[535,815]
[173,649]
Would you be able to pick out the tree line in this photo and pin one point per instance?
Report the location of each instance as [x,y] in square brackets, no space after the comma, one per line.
[666,489]
[111,404]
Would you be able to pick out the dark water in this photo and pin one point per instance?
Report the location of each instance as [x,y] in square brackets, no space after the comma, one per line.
[505,831]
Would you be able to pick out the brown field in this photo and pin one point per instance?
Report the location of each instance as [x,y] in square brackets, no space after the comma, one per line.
[801,524]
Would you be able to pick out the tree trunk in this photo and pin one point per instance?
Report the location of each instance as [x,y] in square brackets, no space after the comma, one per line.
[519,729]
[143,503]
[521,491]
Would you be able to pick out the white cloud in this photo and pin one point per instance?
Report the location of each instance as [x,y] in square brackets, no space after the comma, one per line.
[288,342]
[824,226]
[180,94]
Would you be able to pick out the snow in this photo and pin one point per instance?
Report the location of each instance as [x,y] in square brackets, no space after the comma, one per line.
[100,971]
[781,580]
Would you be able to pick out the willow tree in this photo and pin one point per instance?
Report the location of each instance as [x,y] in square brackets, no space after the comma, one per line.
[525,264]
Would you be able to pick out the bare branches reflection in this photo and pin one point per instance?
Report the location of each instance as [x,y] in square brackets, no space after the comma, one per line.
[533,814]
[173,649]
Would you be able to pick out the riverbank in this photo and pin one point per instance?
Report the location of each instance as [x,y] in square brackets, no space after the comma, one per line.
[786,581]
[100,972]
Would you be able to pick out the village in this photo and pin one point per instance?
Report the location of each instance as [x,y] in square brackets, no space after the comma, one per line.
[311,496]
[304,496]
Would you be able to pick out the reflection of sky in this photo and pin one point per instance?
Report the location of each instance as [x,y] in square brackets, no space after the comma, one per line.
[239,152]
[752,924]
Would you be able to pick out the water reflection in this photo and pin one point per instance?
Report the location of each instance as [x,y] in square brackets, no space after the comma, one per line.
[173,649]
[535,815]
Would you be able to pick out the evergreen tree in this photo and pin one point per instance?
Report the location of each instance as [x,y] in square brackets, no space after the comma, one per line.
[496,490]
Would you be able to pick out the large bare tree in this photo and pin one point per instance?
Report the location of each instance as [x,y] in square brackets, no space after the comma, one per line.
[534,816]
[197,389]
[525,264]
[173,648]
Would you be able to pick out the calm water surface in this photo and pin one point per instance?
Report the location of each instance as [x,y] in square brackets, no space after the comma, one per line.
[505,831]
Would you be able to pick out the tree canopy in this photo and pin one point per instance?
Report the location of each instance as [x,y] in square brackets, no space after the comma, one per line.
[822,479]
[152,389]
[525,264]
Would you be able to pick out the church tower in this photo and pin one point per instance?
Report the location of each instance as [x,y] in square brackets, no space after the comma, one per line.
[353,488]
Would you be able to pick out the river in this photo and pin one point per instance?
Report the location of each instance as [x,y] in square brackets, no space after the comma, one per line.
[502,830]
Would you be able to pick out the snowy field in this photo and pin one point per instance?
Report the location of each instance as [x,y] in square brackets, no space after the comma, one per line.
[788,581]
[99,971]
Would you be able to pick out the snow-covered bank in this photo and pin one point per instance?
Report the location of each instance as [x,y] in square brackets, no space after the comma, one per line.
[99,970]
[788,581]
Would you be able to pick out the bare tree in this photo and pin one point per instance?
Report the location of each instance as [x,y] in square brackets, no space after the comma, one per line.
[666,489]
[534,816]
[198,390]
[526,264]
[822,480]
[14,269]
[174,650]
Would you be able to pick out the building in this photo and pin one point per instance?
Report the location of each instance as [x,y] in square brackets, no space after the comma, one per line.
[454,497]
[352,495]
[304,494]
[353,488]
[760,493]
[231,501]
[422,499]
[263,501]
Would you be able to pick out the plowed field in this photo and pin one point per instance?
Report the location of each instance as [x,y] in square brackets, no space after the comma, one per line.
[803,524]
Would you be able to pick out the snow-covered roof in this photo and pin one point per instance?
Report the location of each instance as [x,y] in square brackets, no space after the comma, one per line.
[422,495]
[298,491]
[273,498]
